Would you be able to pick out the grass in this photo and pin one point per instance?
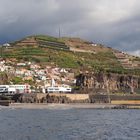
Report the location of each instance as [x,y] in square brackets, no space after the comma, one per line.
[105,61]
[49,38]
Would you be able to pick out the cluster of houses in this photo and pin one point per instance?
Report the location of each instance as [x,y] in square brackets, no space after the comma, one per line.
[41,77]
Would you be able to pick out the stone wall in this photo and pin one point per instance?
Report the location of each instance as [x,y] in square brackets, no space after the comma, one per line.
[97,98]
[72,96]
[51,98]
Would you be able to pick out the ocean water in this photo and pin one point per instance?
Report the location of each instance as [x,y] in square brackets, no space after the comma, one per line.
[69,124]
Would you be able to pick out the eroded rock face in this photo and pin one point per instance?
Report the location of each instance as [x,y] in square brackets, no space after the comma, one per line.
[25,98]
[109,82]
[3,78]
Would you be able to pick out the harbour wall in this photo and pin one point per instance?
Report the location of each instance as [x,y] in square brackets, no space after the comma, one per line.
[63,98]
[115,99]
[87,98]
[75,98]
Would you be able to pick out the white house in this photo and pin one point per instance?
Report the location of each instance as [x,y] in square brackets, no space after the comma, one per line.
[13,89]
[6,45]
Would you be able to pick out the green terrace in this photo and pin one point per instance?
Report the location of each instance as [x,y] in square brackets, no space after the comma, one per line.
[49,38]
[51,42]
[83,59]
[53,45]
[105,61]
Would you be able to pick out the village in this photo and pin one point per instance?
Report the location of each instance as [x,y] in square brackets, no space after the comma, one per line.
[45,69]
[38,78]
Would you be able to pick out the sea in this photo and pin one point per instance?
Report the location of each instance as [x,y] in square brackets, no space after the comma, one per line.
[69,124]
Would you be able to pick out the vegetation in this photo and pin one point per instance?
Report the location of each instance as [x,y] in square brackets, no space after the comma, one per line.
[48,38]
[63,58]
[17,80]
[102,61]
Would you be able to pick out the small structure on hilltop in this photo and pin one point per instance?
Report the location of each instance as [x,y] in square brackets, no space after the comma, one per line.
[6,45]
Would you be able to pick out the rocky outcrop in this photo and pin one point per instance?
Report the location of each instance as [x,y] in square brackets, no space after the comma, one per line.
[24,98]
[3,78]
[110,83]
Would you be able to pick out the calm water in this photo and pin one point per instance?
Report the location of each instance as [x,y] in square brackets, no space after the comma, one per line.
[69,124]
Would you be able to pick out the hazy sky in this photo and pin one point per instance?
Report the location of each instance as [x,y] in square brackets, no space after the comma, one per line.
[115,23]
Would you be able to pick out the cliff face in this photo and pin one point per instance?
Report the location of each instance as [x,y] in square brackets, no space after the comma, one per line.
[110,83]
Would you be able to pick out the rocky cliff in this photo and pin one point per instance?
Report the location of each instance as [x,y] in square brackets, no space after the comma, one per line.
[108,83]
[3,78]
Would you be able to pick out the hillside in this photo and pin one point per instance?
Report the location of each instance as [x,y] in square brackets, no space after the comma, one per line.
[72,53]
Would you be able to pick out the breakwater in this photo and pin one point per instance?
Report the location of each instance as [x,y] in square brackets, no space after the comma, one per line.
[95,100]
[51,98]
[117,99]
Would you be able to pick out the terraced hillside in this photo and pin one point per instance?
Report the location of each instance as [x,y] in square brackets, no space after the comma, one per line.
[51,43]
[128,61]
[68,53]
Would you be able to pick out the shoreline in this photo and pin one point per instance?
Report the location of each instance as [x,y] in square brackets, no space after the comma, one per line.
[68,106]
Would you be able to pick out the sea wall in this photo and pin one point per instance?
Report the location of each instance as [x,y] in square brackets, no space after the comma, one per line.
[72,96]
[115,99]
[127,99]
[126,102]
[51,98]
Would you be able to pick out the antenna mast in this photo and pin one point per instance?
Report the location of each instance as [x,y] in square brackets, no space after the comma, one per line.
[59,32]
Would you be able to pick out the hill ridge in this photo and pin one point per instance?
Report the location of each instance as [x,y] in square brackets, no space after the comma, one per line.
[72,52]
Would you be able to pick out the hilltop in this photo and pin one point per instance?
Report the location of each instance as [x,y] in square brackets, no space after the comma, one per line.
[85,66]
[73,53]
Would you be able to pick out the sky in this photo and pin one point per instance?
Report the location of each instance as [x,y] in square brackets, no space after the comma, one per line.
[114,23]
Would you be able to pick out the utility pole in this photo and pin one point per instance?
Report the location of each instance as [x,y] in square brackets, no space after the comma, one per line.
[59,32]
